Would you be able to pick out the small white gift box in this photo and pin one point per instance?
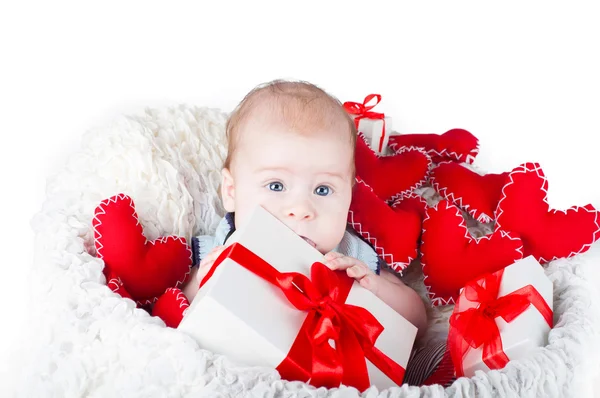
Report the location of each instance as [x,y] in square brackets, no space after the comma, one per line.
[374,126]
[239,314]
[377,133]
[526,328]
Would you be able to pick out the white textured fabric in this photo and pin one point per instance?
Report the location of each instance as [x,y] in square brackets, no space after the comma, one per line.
[84,340]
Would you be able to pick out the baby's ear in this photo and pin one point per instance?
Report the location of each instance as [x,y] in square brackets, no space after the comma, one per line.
[227,190]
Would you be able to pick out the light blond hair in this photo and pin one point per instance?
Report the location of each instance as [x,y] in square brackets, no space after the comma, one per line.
[299,106]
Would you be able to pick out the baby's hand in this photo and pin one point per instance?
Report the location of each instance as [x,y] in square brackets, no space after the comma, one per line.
[354,268]
[198,273]
[207,262]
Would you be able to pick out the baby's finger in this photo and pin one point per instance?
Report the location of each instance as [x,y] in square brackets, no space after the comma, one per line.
[357,271]
[217,249]
[332,256]
[212,256]
[341,263]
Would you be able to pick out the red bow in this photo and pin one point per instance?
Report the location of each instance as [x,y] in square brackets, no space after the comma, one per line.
[476,327]
[364,111]
[353,329]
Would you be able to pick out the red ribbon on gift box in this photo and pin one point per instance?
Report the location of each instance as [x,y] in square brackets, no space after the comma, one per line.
[364,111]
[353,329]
[476,327]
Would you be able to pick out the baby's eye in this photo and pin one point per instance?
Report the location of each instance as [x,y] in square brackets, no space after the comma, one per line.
[276,186]
[323,190]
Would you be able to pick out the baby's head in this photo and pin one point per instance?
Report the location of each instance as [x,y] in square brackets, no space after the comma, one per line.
[291,150]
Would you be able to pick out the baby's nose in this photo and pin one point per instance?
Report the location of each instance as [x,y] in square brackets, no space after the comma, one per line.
[301,211]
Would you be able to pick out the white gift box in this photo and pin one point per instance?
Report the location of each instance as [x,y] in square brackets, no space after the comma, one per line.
[240,315]
[375,134]
[528,330]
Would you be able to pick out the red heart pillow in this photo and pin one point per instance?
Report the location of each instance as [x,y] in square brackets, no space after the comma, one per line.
[115,284]
[413,203]
[145,268]
[391,177]
[451,257]
[476,194]
[455,145]
[393,233]
[548,234]
[171,307]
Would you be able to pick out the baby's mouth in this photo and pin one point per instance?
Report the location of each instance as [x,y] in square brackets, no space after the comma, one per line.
[310,242]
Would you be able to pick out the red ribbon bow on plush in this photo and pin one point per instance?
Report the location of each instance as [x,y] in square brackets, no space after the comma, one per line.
[476,327]
[364,111]
[353,329]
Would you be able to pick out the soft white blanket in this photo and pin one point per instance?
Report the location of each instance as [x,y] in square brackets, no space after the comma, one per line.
[84,340]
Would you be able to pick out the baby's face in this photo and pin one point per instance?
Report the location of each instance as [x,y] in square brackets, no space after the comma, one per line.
[303,180]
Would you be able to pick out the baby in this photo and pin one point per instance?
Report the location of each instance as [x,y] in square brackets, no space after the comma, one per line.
[291,151]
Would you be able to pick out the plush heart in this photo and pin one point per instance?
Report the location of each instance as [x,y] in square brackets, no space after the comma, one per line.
[393,233]
[115,284]
[547,234]
[412,203]
[476,194]
[391,177]
[171,307]
[451,257]
[146,268]
[455,145]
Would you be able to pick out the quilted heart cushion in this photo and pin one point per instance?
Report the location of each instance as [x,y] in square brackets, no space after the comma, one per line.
[394,233]
[144,269]
[476,194]
[456,145]
[391,177]
[450,257]
[547,234]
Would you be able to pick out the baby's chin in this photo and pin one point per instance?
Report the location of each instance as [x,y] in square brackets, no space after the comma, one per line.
[320,248]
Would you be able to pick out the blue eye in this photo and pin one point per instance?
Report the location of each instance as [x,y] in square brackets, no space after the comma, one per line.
[276,186]
[323,190]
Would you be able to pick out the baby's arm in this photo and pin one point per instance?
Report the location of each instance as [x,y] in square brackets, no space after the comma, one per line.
[387,286]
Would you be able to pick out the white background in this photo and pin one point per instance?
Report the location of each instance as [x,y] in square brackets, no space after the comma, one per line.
[521,76]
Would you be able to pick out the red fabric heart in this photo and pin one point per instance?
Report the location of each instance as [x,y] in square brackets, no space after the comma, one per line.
[391,177]
[116,285]
[146,268]
[412,203]
[451,257]
[171,307]
[393,233]
[547,234]
[455,145]
[476,194]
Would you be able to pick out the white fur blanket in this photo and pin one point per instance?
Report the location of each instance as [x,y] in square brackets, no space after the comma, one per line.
[84,340]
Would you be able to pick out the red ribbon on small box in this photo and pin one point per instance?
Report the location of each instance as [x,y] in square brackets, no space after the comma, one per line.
[363,110]
[353,329]
[476,327]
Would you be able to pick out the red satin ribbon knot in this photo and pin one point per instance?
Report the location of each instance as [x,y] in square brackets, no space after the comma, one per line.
[353,329]
[476,327]
[362,110]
